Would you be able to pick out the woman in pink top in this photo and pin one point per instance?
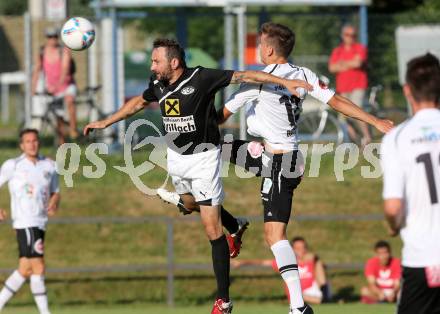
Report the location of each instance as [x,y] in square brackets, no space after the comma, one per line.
[55,62]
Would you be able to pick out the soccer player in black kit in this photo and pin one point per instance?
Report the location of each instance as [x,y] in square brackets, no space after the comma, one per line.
[186,99]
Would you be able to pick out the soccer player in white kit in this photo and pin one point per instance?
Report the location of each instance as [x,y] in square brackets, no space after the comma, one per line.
[410,156]
[272,113]
[33,186]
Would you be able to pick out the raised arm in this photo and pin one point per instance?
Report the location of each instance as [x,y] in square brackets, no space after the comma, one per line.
[260,77]
[223,114]
[131,107]
[346,107]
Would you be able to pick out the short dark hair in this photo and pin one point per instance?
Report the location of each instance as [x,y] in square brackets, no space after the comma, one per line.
[298,239]
[26,131]
[423,78]
[174,49]
[281,38]
[382,244]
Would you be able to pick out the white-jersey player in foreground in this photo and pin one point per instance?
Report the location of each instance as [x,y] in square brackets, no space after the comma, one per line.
[272,114]
[411,164]
[33,186]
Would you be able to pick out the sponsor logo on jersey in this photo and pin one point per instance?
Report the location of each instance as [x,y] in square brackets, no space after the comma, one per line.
[188,90]
[428,136]
[179,124]
[172,107]
[290,133]
[279,88]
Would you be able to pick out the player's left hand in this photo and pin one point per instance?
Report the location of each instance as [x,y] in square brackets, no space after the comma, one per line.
[292,86]
[3,215]
[52,209]
[393,232]
[384,125]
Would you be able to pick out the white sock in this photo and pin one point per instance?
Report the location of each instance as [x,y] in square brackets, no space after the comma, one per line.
[12,285]
[38,289]
[288,267]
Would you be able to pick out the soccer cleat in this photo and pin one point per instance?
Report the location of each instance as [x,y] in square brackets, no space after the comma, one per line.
[234,239]
[222,307]
[173,198]
[306,309]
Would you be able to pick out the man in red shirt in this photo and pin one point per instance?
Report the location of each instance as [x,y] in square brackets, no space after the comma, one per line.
[383,274]
[348,62]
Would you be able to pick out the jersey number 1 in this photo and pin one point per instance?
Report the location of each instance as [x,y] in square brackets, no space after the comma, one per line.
[426,159]
[292,108]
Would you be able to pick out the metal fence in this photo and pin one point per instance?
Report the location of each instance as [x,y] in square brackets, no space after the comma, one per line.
[171,266]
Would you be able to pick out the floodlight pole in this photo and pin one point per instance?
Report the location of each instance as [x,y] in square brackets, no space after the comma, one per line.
[363,24]
[28,68]
[228,63]
[241,42]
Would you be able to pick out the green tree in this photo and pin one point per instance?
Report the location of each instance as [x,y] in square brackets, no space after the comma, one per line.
[16,7]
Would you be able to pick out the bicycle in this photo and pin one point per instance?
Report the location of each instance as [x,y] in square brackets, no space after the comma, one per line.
[395,114]
[48,117]
[319,124]
[93,112]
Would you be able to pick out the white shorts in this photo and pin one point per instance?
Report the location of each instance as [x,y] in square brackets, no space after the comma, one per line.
[198,174]
[70,90]
[313,291]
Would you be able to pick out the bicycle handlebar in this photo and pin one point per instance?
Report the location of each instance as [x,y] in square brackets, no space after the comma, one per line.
[93,89]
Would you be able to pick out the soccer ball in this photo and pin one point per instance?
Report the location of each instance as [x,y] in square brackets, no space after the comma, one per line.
[78,33]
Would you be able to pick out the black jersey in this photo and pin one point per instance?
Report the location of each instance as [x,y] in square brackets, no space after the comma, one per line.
[187,107]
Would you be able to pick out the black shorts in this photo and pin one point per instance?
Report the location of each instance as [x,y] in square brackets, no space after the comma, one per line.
[237,153]
[416,296]
[280,177]
[30,242]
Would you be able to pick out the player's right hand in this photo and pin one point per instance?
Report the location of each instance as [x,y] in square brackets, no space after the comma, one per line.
[3,215]
[94,125]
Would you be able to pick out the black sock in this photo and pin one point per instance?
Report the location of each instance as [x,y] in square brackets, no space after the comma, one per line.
[229,221]
[220,262]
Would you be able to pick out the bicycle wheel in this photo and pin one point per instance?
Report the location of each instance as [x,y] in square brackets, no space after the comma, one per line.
[396,115]
[320,126]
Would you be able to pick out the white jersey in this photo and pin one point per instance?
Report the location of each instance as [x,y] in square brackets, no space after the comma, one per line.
[271,111]
[410,156]
[30,187]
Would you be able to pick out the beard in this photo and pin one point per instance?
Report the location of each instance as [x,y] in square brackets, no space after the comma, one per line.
[164,77]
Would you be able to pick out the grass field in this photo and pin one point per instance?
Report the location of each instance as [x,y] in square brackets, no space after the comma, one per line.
[240,308]
[96,245]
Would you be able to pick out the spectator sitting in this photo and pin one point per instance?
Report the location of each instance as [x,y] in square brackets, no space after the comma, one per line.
[383,276]
[314,285]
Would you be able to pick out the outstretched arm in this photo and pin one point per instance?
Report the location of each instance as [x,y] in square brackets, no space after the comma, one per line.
[346,107]
[258,77]
[127,110]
